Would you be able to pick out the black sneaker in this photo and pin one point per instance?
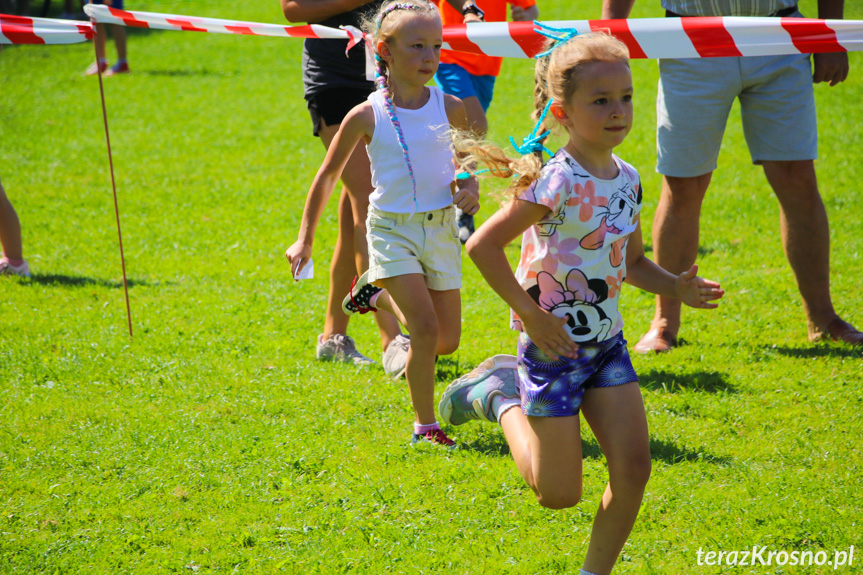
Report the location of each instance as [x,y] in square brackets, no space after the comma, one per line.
[358,298]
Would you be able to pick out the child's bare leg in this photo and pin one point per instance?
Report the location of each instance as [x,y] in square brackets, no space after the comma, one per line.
[447,305]
[547,453]
[10,229]
[408,298]
[616,416]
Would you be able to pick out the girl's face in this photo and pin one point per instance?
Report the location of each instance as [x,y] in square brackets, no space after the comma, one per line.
[598,116]
[413,52]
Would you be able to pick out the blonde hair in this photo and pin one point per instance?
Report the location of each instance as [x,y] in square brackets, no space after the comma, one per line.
[382,26]
[556,78]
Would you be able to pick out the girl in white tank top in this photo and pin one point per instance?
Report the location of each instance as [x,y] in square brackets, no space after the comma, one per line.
[414,251]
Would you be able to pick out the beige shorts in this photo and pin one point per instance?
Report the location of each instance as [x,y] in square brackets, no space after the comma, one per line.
[425,243]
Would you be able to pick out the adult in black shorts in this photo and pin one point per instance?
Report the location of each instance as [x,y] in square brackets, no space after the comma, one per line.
[333,85]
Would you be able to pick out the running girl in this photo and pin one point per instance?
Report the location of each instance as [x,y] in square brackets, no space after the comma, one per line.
[414,252]
[581,239]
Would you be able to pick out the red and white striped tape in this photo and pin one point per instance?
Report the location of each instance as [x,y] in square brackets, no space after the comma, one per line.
[646,38]
[107,15]
[21,30]
[673,37]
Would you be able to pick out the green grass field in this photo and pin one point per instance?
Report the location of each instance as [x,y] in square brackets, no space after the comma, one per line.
[213,442]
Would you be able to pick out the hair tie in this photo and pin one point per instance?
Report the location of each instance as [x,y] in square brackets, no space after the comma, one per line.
[565,34]
[392,8]
[533,142]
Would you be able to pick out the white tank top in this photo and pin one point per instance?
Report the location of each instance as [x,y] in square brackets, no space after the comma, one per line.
[426,132]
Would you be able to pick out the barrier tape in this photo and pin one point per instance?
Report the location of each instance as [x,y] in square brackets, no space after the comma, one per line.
[21,30]
[699,37]
[107,15]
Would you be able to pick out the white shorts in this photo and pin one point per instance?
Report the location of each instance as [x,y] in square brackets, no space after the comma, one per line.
[426,243]
[695,96]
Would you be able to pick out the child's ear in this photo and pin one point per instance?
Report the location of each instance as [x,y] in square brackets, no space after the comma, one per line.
[558,112]
[383,50]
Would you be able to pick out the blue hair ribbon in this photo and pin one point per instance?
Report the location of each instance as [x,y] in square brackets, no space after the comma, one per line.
[565,34]
[466,175]
[533,142]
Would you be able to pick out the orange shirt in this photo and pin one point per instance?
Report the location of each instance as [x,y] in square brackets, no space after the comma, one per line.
[477,64]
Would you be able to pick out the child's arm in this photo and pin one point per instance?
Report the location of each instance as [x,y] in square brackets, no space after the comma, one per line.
[466,195]
[359,123]
[486,249]
[687,287]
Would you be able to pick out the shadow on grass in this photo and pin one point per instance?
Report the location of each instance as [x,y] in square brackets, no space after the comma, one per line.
[706,381]
[702,251]
[821,350]
[181,73]
[81,281]
[449,368]
[660,450]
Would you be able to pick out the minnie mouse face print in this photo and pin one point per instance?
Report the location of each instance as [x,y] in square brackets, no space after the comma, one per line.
[576,302]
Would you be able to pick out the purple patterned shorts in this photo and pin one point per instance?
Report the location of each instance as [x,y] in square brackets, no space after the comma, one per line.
[555,388]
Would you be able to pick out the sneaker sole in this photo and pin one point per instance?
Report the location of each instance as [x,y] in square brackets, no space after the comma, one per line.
[500,361]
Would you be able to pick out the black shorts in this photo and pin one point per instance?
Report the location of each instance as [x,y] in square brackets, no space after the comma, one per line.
[333,105]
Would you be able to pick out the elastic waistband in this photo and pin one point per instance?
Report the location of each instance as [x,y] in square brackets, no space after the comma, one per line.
[785,12]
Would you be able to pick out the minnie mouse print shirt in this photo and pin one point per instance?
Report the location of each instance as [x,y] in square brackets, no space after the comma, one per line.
[573,261]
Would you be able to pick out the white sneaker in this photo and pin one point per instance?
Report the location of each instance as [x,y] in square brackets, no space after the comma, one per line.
[7,269]
[340,347]
[395,357]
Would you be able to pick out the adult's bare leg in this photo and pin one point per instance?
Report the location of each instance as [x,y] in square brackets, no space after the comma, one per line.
[675,248]
[352,244]
[806,241]
[342,270]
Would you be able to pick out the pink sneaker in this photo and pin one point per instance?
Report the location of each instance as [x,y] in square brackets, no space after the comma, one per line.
[7,269]
[118,68]
[95,68]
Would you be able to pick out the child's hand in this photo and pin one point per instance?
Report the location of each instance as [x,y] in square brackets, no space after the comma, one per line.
[546,331]
[697,292]
[466,196]
[298,255]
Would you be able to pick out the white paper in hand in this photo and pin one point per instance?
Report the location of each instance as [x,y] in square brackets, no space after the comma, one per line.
[308,272]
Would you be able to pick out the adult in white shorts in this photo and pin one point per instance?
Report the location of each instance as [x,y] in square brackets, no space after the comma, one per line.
[779,123]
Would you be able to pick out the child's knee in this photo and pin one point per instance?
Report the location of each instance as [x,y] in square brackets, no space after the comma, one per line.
[559,499]
[633,473]
[424,330]
[447,343]
[560,493]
